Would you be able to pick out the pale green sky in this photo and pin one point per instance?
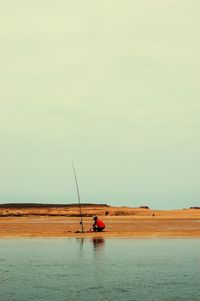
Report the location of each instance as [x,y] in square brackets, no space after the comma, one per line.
[112,85]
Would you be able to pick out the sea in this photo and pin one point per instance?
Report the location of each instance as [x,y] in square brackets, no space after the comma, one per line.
[99,268]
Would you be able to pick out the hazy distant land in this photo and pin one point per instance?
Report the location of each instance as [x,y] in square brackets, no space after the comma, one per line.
[73,210]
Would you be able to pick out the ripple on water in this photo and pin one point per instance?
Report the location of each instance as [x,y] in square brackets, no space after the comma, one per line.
[111,269]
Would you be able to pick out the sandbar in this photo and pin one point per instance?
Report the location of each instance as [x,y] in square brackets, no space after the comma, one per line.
[116,226]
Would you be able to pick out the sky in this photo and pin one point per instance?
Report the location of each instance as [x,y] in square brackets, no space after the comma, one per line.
[112,86]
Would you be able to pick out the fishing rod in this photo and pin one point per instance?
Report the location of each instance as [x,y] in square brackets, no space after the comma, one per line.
[79,200]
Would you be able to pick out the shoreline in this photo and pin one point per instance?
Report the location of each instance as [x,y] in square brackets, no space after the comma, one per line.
[116,227]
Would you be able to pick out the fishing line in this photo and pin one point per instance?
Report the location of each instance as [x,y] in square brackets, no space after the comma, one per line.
[79,200]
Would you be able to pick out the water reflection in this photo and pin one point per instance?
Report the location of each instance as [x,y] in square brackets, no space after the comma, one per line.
[98,243]
[81,241]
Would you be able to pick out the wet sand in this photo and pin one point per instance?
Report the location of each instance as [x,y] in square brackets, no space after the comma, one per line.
[162,225]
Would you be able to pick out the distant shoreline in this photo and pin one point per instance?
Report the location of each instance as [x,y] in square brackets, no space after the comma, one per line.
[88,210]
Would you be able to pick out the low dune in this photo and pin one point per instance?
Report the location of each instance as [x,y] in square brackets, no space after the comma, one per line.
[88,210]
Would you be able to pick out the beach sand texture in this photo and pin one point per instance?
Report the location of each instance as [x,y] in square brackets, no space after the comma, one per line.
[120,222]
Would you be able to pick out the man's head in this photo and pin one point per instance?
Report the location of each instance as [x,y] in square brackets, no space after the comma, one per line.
[95,218]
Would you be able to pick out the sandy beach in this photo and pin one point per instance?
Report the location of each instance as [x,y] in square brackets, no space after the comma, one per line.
[160,223]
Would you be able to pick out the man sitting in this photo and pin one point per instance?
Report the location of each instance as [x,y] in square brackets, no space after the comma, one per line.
[98,225]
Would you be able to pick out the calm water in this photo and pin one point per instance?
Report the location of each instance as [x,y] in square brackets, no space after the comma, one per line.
[98,269]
